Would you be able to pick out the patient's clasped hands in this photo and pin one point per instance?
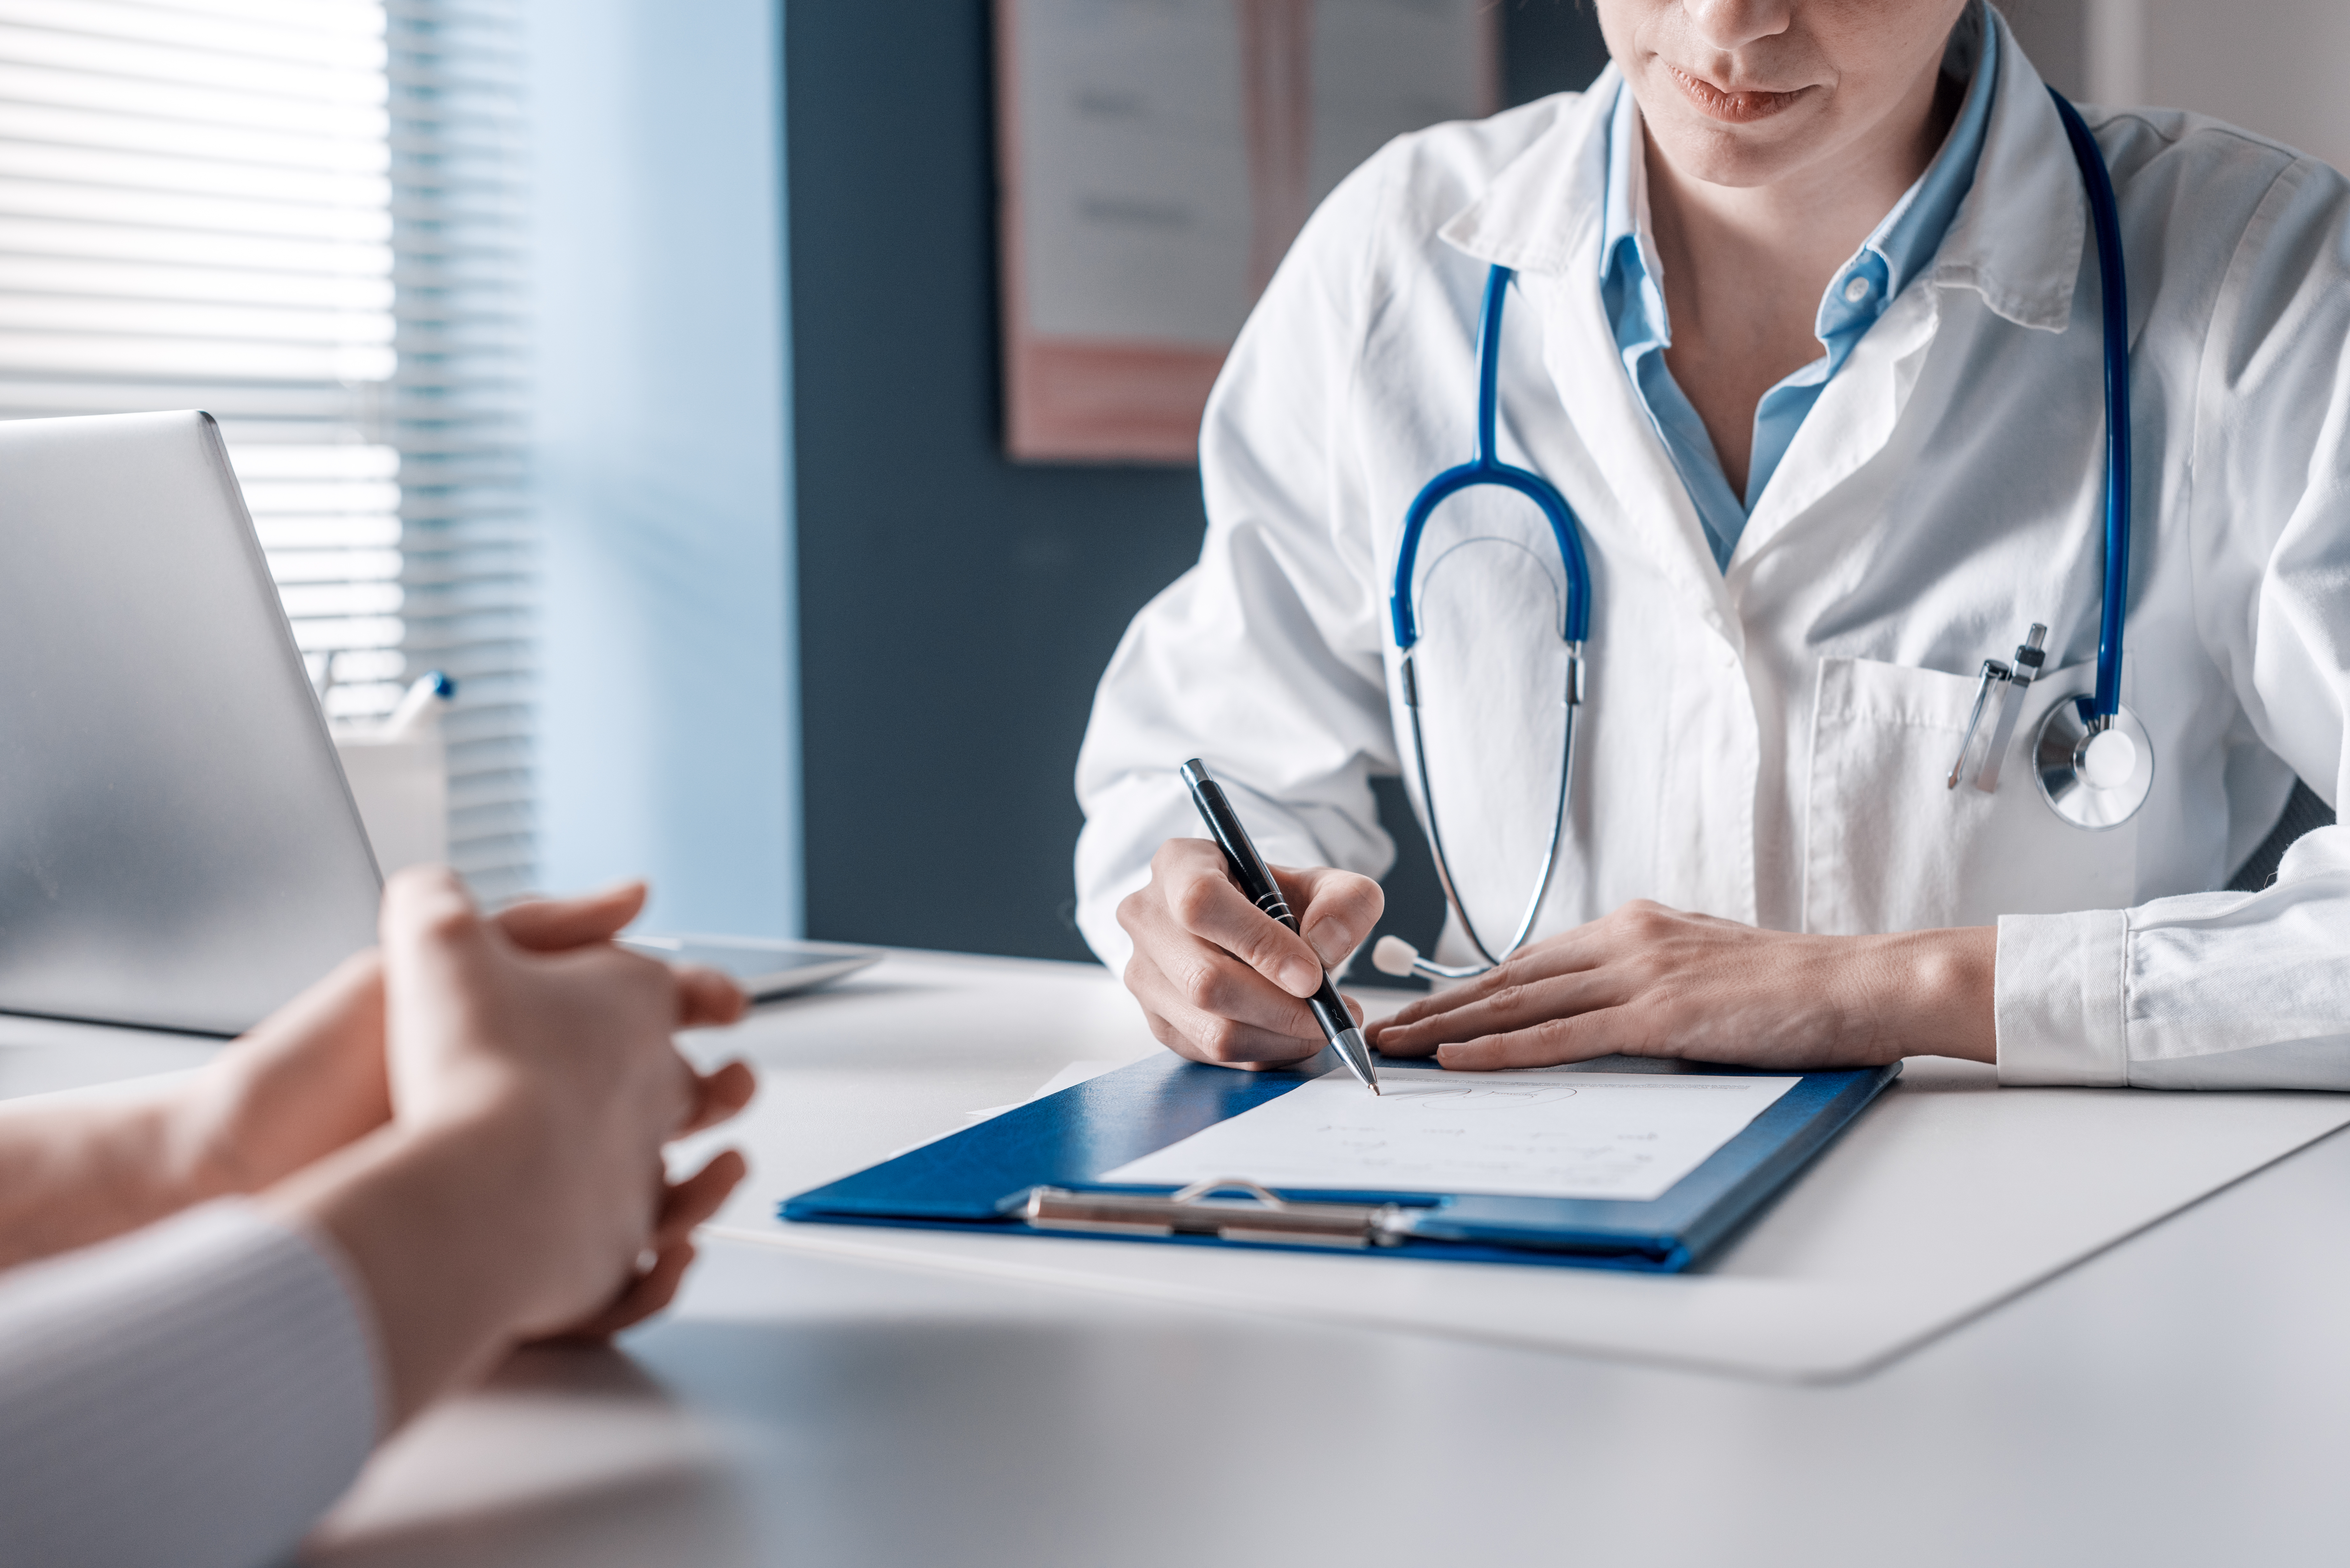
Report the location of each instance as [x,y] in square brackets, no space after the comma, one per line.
[516,1188]
[473,1116]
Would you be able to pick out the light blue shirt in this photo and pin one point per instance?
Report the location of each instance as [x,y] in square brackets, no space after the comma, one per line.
[1632,292]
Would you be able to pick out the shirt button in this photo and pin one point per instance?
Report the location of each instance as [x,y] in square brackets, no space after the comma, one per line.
[1856,290]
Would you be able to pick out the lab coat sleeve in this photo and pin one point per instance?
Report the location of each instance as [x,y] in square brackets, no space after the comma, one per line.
[2231,990]
[1266,658]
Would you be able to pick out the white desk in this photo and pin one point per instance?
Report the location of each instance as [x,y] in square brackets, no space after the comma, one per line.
[2182,1398]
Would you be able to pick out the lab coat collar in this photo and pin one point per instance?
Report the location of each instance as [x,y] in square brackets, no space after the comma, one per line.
[2015,240]
[1544,207]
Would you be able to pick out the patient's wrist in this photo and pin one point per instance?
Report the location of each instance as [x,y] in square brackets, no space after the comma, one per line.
[435,1225]
[203,1140]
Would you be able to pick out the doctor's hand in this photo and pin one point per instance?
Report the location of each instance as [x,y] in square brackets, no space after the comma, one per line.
[1647,981]
[1219,979]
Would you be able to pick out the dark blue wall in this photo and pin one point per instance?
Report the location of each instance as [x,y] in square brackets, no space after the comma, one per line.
[956,609]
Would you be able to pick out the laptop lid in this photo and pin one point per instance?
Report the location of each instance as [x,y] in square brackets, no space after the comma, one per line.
[178,847]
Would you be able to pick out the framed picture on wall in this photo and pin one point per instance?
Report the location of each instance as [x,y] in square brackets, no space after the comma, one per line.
[1157,158]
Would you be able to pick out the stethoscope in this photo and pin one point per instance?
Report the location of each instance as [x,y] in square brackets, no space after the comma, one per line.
[2092,759]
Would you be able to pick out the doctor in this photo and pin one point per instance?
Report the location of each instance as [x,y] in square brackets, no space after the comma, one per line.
[1803,320]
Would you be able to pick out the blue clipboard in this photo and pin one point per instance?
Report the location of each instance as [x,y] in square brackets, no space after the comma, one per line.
[1035,1170]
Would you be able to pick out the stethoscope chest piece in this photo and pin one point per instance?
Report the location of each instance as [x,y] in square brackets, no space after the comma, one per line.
[2094,775]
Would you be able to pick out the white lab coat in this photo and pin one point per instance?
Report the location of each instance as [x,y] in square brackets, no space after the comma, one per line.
[1769,743]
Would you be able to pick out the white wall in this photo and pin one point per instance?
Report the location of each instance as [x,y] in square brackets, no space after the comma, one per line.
[2274,67]
[668,743]
[2052,33]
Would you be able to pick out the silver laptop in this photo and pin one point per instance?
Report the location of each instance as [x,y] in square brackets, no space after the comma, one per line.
[178,847]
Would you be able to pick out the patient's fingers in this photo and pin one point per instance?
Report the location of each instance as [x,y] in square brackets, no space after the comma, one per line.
[551,925]
[706,996]
[690,1202]
[684,1205]
[643,1296]
[719,1095]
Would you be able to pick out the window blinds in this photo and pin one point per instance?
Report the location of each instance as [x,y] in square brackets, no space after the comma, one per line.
[301,215]
[457,407]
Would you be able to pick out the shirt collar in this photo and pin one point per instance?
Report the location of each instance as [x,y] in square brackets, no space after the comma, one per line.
[1628,240]
[1906,241]
[2019,246]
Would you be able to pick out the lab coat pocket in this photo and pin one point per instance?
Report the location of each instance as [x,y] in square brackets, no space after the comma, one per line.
[1890,847]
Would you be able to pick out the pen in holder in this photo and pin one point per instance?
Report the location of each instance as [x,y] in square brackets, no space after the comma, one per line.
[399,774]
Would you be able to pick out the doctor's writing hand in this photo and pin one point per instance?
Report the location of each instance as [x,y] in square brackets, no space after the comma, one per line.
[1647,981]
[1219,979]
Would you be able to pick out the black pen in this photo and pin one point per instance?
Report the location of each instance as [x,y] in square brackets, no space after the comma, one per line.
[1249,869]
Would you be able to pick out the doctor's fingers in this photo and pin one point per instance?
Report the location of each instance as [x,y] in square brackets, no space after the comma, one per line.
[1579,951]
[1222,1012]
[1221,1042]
[1230,1011]
[1500,1010]
[1334,908]
[1606,1030]
[1190,901]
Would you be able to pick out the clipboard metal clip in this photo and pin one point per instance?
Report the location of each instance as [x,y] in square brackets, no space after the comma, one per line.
[1195,1211]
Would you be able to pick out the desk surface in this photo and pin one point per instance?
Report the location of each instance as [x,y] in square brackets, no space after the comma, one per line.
[2184,1397]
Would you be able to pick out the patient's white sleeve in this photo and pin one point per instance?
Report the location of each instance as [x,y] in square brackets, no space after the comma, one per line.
[194,1395]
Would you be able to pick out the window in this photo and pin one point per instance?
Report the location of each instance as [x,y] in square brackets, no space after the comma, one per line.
[302,215]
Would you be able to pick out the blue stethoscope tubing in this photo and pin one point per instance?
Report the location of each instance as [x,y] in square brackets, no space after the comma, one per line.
[1486,468]
[2104,216]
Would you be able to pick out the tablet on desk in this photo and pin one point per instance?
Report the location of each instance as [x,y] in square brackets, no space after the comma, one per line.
[765,968]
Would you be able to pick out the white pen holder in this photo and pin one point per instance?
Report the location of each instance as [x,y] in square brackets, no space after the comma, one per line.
[402,784]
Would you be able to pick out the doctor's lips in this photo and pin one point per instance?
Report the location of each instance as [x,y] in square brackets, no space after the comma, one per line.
[1719,103]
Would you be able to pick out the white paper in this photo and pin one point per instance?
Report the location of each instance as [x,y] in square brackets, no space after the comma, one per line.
[1538,1133]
